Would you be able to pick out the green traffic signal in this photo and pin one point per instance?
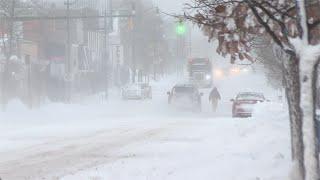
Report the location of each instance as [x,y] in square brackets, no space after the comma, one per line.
[181,29]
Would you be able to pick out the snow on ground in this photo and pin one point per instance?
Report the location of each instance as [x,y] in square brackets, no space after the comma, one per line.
[221,148]
[137,140]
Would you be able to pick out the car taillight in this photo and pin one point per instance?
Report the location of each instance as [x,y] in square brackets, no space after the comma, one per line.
[252,102]
[249,102]
[239,109]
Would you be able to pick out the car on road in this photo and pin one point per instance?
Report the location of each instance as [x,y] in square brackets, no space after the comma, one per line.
[137,91]
[244,103]
[186,96]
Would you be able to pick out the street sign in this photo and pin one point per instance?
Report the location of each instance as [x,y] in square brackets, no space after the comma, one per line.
[117,54]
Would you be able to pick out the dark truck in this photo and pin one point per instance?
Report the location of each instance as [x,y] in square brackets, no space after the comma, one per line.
[200,72]
[185,96]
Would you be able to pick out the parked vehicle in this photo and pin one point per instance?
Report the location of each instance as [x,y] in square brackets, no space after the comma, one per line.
[137,91]
[244,103]
[146,90]
[200,72]
[185,96]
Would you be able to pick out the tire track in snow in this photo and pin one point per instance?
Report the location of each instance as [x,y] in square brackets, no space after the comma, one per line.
[69,156]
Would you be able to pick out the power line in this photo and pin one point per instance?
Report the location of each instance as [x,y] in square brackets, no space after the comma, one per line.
[32,18]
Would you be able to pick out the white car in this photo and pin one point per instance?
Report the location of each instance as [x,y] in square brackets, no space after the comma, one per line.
[137,91]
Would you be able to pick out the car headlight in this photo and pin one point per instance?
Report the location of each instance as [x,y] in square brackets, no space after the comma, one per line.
[218,73]
[235,71]
[245,70]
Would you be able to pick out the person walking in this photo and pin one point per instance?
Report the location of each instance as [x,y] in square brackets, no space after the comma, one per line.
[214,97]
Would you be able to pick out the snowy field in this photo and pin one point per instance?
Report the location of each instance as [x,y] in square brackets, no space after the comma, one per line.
[142,140]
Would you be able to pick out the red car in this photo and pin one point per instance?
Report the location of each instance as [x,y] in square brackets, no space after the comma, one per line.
[244,103]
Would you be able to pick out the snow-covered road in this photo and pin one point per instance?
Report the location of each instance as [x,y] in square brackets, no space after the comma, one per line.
[137,140]
[60,157]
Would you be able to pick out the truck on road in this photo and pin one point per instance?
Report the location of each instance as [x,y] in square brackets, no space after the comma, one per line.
[200,72]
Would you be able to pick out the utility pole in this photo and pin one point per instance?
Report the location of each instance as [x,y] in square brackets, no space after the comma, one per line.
[28,63]
[67,60]
[11,27]
[3,72]
[107,23]
[8,54]
[134,63]
[133,54]
[104,60]
[190,41]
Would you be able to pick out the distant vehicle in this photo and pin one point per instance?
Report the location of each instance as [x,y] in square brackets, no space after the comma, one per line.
[185,96]
[137,91]
[244,103]
[200,72]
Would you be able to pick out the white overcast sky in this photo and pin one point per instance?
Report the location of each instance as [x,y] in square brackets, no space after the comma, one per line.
[200,43]
[171,6]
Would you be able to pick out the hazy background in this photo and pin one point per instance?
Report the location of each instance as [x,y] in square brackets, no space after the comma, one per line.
[200,45]
[172,6]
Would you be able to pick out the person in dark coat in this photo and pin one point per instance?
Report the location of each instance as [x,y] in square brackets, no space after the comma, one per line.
[214,97]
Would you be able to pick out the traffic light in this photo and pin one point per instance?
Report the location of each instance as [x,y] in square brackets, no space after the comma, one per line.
[133,7]
[181,28]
